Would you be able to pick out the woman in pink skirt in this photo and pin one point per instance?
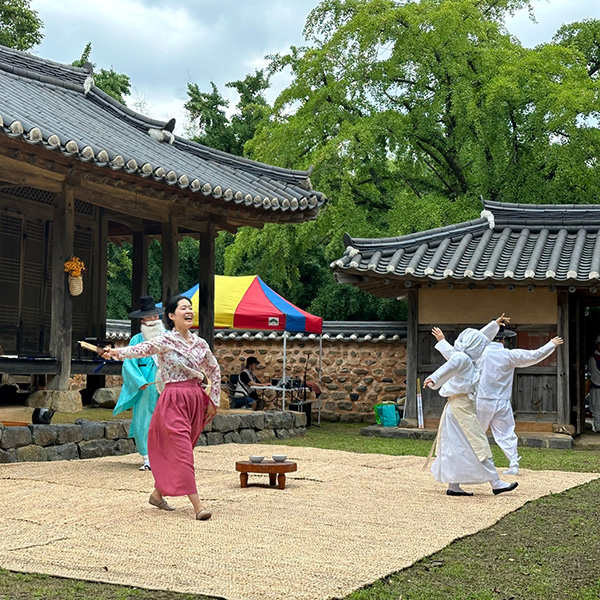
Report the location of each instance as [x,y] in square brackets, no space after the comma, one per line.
[183,409]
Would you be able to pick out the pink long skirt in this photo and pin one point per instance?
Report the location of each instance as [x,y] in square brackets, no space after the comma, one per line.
[176,425]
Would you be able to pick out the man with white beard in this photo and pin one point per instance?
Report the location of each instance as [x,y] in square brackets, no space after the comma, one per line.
[141,379]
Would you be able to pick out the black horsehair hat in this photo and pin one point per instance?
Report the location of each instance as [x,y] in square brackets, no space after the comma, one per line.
[147,309]
[505,333]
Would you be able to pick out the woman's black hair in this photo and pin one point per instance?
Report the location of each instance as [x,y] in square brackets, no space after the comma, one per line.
[170,308]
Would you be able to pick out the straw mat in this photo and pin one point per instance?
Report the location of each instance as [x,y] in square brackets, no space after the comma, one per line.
[344,520]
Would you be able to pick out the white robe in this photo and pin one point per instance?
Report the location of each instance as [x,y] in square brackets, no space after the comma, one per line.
[497,366]
[463,454]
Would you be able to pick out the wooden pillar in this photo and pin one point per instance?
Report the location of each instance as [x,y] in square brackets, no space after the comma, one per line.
[206,289]
[170,259]
[562,359]
[63,230]
[412,342]
[139,280]
[99,280]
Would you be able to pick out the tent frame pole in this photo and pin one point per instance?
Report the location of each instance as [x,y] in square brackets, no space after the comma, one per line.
[284,378]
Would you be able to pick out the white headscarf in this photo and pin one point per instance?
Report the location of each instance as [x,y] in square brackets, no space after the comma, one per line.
[472,342]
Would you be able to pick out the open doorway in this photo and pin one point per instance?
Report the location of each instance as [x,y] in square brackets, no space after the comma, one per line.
[588,329]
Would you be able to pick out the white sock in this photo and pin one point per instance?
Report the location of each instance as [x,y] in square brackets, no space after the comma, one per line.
[455,487]
[498,484]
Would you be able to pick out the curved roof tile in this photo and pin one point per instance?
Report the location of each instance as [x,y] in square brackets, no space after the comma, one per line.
[58,108]
[510,242]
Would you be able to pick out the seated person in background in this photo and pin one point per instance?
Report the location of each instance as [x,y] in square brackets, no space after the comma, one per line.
[245,396]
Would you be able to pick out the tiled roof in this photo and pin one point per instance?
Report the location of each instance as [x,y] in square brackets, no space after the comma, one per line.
[341,331]
[57,107]
[508,243]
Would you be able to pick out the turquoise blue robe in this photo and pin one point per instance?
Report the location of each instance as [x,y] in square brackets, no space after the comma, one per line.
[136,373]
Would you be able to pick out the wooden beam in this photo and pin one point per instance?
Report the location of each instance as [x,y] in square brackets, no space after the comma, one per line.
[170,260]
[206,289]
[562,359]
[63,230]
[24,174]
[139,283]
[132,203]
[412,358]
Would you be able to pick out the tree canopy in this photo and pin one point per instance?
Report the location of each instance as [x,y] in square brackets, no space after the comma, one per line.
[20,26]
[409,112]
[116,85]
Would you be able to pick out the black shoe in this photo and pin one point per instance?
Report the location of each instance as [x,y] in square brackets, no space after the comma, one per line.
[510,488]
[462,493]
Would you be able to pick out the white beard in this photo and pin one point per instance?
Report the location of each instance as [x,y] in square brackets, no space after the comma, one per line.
[152,330]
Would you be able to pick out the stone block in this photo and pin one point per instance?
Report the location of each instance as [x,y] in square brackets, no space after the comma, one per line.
[232,437]
[412,423]
[31,453]
[225,423]
[300,419]
[97,448]
[344,405]
[63,452]
[350,418]
[125,446]
[43,435]
[201,440]
[282,434]
[66,433]
[299,431]
[106,397]
[91,430]
[214,438]
[66,401]
[15,437]
[247,436]
[561,442]
[208,427]
[532,442]
[253,420]
[329,416]
[265,434]
[116,430]
[8,456]
[370,430]
[283,420]
[368,417]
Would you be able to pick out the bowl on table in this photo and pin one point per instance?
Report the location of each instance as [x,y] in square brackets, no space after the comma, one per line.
[279,457]
[256,459]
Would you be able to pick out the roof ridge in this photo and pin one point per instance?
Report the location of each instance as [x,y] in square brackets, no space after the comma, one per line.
[429,235]
[11,59]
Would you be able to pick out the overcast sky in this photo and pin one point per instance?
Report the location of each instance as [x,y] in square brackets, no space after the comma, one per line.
[164,44]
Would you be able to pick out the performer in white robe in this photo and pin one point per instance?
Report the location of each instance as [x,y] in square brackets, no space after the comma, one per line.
[463,454]
[594,367]
[494,410]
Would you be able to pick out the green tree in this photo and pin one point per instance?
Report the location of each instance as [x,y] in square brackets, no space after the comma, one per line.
[410,111]
[20,26]
[210,124]
[116,85]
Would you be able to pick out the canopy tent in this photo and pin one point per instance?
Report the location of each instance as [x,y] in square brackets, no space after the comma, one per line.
[247,302]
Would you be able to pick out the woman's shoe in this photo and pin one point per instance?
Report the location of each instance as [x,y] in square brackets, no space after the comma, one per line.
[162,503]
[203,515]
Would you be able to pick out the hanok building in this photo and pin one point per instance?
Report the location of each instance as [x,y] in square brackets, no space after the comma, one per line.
[78,169]
[539,264]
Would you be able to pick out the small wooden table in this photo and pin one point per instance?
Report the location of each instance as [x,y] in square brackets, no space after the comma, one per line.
[274,469]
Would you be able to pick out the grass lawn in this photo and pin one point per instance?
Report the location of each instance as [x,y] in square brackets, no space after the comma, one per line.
[547,550]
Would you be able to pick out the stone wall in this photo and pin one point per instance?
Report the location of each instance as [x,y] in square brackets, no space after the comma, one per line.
[355,375]
[92,439]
